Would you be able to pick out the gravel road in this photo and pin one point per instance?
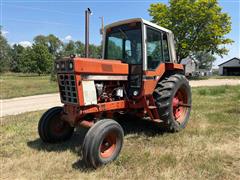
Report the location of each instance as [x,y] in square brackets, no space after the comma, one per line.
[40,102]
[29,103]
[214,82]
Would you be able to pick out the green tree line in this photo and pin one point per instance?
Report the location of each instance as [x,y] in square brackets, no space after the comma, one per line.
[39,58]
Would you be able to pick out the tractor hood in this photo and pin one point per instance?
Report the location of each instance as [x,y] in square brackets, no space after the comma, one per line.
[99,66]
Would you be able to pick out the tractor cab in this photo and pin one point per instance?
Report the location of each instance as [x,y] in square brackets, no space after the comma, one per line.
[140,44]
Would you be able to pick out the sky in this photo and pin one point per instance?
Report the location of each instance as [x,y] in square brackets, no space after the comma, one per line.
[22,20]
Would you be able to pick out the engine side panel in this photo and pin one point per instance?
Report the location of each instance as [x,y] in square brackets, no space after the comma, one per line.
[97,66]
[89,93]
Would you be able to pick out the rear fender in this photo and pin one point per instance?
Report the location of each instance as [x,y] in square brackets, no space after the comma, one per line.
[151,78]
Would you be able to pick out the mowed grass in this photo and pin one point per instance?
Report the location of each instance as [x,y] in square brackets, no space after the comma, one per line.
[207,149]
[212,91]
[225,77]
[214,77]
[17,85]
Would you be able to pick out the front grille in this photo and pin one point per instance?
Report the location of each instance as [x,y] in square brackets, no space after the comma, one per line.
[67,88]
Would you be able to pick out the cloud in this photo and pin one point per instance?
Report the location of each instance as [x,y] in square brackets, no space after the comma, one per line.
[4,33]
[68,38]
[25,43]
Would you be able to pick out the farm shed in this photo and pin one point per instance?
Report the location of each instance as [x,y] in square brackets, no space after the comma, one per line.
[230,67]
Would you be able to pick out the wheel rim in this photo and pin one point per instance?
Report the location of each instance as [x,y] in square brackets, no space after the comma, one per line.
[180,105]
[58,126]
[108,145]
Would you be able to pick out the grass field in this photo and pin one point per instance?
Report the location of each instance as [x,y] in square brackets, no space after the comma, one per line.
[214,77]
[225,77]
[17,85]
[208,147]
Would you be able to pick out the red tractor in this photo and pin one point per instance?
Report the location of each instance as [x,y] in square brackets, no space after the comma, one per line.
[138,74]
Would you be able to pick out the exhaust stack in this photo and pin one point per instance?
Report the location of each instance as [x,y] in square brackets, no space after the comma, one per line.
[88,12]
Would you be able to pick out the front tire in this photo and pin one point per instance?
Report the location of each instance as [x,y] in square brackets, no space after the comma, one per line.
[103,143]
[52,129]
[173,99]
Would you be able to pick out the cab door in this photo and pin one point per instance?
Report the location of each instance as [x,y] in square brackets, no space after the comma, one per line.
[156,54]
[157,48]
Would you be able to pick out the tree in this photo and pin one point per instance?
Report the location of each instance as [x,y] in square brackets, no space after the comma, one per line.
[95,51]
[198,25]
[16,52]
[53,43]
[26,63]
[36,59]
[80,48]
[69,48]
[41,39]
[42,59]
[4,53]
[205,60]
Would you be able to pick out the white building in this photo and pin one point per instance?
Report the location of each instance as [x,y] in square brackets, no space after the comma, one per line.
[230,67]
[190,66]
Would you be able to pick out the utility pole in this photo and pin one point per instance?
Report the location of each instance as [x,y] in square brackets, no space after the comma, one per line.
[102,30]
[102,25]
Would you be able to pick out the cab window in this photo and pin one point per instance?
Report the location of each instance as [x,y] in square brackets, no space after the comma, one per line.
[157,48]
[124,43]
[165,48]
[115,44]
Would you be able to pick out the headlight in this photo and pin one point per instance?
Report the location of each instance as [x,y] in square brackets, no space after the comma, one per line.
[135,93]
[62,65]
[70,65]
[57,66]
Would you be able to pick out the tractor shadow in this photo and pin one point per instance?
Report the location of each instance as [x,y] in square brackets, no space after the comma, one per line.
[129,123]
[74,144]
[134,125]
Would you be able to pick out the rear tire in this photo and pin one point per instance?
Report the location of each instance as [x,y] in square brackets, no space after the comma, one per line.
[103,143]
[52,129]
[173,99]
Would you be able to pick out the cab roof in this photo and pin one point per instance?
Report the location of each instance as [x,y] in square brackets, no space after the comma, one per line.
[137,20]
